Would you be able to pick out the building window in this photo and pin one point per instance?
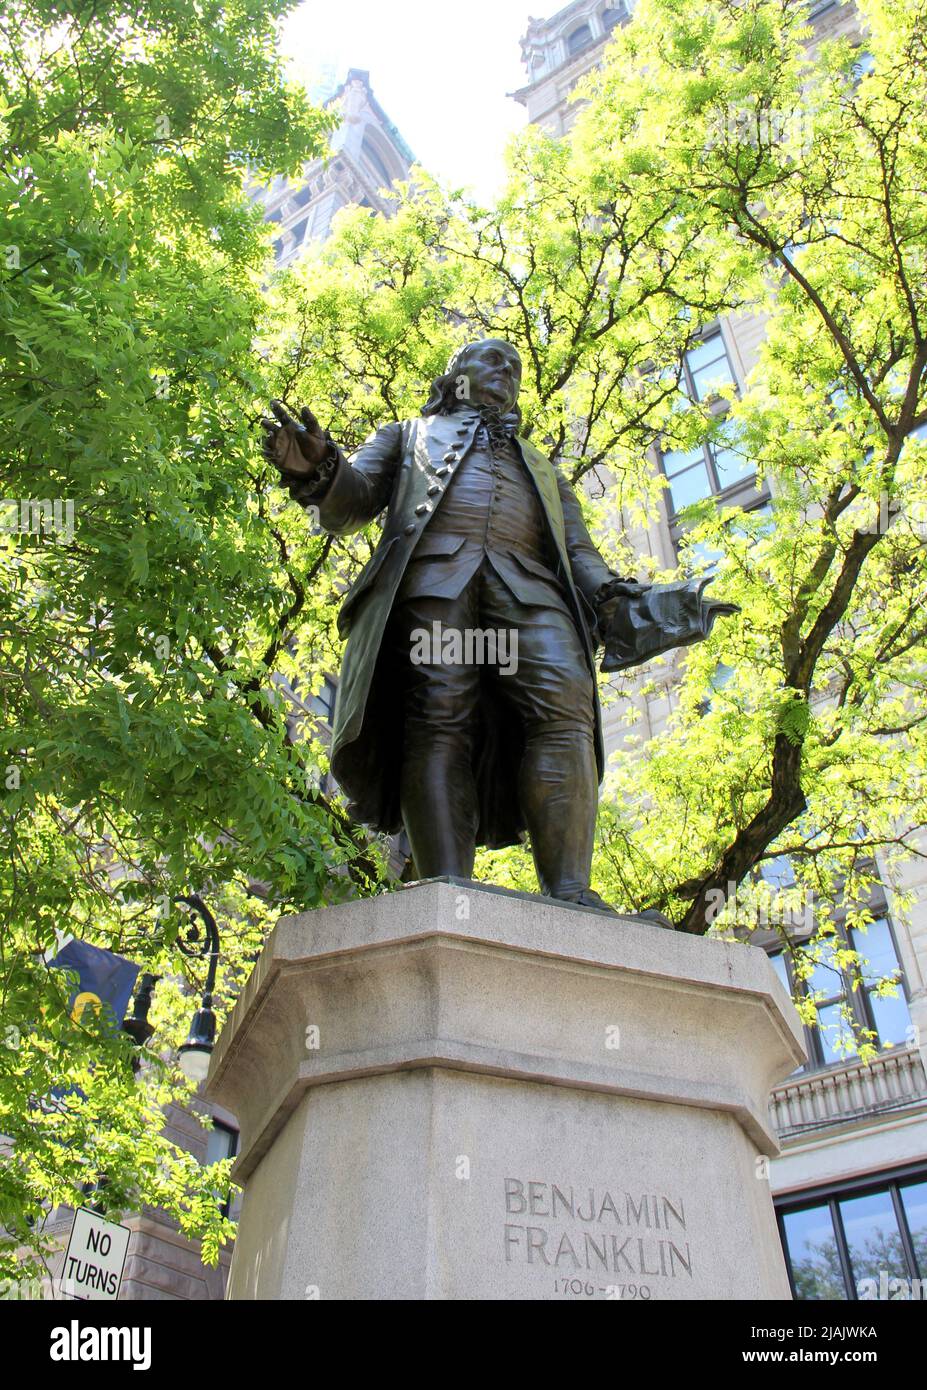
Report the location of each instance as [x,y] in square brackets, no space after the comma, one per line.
[579,39]
[720,677]
[864,65]
[702,558]
[858,1240]
[375,160]
[323,704]
[221,1142]
[708,469]
[847,995]
[890,1016]
[613,15]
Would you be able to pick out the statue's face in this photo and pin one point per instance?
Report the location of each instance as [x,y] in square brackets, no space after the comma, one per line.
[492,370]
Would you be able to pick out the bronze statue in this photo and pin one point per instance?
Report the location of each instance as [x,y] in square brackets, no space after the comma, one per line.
[483,538]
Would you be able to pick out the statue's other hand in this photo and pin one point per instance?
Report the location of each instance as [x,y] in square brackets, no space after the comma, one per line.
[611,599]
[294,447]
[613,596]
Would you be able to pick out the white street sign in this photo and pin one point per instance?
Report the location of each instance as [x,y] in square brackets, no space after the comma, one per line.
[95,1256]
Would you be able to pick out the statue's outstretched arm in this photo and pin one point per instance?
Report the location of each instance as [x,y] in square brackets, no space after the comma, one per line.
[345,495]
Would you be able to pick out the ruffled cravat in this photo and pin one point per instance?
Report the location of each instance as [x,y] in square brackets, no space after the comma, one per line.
[501,426]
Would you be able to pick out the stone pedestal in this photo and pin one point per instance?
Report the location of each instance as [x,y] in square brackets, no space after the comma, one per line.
[456,1092]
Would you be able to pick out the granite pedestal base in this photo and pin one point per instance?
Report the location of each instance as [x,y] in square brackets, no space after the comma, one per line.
[454,1092]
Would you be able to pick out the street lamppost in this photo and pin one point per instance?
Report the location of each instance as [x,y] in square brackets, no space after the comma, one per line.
[137,1026]
[196,1051]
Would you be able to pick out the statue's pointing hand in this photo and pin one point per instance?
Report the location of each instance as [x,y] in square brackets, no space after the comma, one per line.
[294,448]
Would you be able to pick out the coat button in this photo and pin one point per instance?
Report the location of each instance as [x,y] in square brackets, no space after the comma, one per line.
[440,472]
[411,529]
[421,509]
[450,457]
[433,490]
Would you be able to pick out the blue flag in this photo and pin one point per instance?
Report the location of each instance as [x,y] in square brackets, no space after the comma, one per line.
[106,980]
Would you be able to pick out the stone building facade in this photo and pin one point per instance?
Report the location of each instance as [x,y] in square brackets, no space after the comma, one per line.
[366,155]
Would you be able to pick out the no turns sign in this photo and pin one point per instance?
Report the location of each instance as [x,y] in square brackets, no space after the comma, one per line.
[94,1258]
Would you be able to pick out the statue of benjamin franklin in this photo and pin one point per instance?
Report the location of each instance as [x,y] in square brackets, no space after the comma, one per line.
[482,535]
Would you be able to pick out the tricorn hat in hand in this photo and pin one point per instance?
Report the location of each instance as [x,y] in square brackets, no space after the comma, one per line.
[647,622]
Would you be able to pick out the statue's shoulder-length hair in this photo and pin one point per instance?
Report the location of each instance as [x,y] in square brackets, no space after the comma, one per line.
[443,397]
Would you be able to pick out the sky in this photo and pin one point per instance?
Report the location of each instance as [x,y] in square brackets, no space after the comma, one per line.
[440,71]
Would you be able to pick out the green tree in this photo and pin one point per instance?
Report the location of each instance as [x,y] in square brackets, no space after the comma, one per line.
[146,588]
[804,171]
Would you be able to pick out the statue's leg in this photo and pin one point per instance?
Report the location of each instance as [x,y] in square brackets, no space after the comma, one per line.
[557,787]
[437,791]
[551,689]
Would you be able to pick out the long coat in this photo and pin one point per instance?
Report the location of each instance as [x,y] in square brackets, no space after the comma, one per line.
[406,466]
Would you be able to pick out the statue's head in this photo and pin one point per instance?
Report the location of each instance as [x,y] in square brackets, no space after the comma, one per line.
[484,373]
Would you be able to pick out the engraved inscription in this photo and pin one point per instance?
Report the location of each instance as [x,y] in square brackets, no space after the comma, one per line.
[606,1231]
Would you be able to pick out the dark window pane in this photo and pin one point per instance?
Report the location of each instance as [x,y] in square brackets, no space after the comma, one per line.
[835,1034]
[220,1143]
[709,367]
[825,979]
[223,1143]
[812,1254]
[765,511]
[702,558]
[751,522]
[876,950]
[709,350]
[914,1201]
[878,960]
[778,872]
[380,168]
[873,1238]
[678,460]
[579,39]
[781,969]
[891,1018]
[732,467]
[323,704]
[865,64]
[690,486]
